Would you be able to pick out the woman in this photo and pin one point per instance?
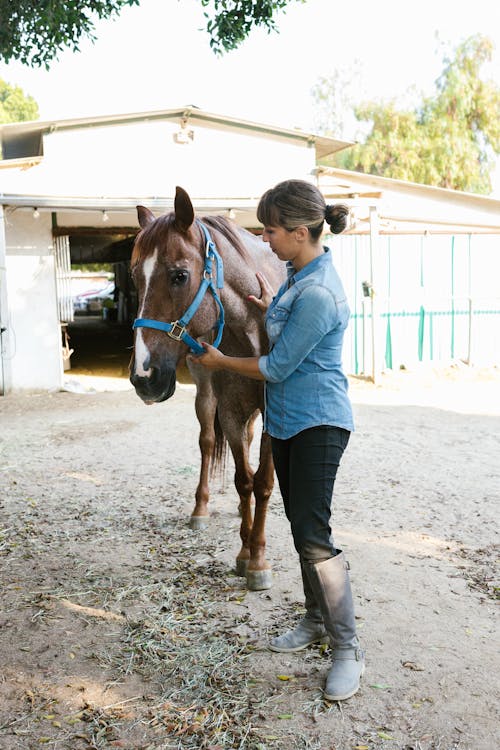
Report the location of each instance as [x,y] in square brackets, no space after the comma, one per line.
[308,413]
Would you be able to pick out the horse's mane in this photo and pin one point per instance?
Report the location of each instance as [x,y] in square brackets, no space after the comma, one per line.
[148,237]
[230,232]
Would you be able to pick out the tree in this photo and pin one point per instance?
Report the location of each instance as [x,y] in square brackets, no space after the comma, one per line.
[34,33]
[333,96]
[450,140]
[15,106]
[231,21]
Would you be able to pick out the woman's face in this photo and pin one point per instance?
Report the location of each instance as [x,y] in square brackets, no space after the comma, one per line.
[282,242]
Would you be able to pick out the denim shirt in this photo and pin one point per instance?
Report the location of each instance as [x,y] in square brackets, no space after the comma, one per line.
[305,323]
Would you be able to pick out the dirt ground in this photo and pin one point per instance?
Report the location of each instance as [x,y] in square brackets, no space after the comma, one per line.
[120,627]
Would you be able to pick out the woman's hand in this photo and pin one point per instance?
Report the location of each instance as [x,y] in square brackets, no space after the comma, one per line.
[211,358]
[266,293]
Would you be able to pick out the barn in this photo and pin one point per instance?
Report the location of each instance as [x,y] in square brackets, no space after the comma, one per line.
[420,264]
[68,195]
[421,267]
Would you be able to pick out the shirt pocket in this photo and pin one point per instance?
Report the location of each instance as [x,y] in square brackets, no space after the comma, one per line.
[275,322]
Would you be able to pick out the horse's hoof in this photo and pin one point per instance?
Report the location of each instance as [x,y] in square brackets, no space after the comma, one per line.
[257,580]
[198,523]
[241,567]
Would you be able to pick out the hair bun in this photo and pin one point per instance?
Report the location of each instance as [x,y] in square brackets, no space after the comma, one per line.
[336,216]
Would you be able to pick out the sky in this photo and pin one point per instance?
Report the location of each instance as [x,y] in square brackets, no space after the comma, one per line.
[157,56]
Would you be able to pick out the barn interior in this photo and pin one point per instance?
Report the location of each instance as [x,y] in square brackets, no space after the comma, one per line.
[100,334]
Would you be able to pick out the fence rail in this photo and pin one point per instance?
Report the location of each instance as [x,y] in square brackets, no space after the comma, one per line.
[449,329]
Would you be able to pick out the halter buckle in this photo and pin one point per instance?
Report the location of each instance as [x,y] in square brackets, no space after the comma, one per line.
[177,331]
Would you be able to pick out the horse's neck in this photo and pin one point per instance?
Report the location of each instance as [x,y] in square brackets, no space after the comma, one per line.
[244,321]
[239,283]
[242,271]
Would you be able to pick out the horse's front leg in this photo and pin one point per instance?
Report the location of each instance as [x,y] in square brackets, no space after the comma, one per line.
[259,574]
[205,406]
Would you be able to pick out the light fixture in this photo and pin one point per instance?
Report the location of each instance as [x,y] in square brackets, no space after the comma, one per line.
[367,288]
[105,216]
[36,213]
[185,135]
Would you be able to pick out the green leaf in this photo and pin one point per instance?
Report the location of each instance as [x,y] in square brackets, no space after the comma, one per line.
[384,736]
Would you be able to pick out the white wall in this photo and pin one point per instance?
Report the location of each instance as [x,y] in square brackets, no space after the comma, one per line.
[34,333]
[143,160]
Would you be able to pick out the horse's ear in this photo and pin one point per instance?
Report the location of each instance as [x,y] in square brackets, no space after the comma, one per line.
[184,211]
[145,216]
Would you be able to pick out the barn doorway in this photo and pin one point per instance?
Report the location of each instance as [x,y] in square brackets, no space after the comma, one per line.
[97,331]
[98,303]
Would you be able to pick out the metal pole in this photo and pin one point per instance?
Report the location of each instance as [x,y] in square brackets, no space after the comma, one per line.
[469,272]
[5,383]
[363,334]
[374,238]
[469,340]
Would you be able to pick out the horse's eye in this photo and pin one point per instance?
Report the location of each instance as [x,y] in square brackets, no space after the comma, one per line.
[179,278]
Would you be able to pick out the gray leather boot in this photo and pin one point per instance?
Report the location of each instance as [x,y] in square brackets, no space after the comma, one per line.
[309,630]
[332,590]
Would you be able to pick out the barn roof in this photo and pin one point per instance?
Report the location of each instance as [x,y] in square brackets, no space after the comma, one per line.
[402,207]
[408,207]
[25,139]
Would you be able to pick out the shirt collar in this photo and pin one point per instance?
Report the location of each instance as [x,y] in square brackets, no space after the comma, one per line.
[310,267]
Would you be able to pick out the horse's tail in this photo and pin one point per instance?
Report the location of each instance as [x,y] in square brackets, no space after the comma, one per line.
[219,454]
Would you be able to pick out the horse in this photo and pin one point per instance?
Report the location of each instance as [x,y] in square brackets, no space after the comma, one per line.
[198,272]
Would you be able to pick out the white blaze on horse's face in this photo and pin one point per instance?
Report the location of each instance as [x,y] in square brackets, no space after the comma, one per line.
[141,350]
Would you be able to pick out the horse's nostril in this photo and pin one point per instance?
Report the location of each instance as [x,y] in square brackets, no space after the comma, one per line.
[152,378]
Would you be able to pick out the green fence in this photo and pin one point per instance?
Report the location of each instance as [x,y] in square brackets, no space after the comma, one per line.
[435,299]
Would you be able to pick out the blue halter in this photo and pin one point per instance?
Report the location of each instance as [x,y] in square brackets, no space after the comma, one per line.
[177,329]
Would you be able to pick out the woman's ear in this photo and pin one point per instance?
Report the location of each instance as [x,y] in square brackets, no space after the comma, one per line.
[301,233]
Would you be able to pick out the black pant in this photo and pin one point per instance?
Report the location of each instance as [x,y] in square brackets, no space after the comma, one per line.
[306,466]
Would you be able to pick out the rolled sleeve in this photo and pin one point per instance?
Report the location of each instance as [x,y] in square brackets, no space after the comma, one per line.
[262,364]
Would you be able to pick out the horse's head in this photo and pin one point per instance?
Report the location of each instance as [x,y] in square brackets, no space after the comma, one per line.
[168,265]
